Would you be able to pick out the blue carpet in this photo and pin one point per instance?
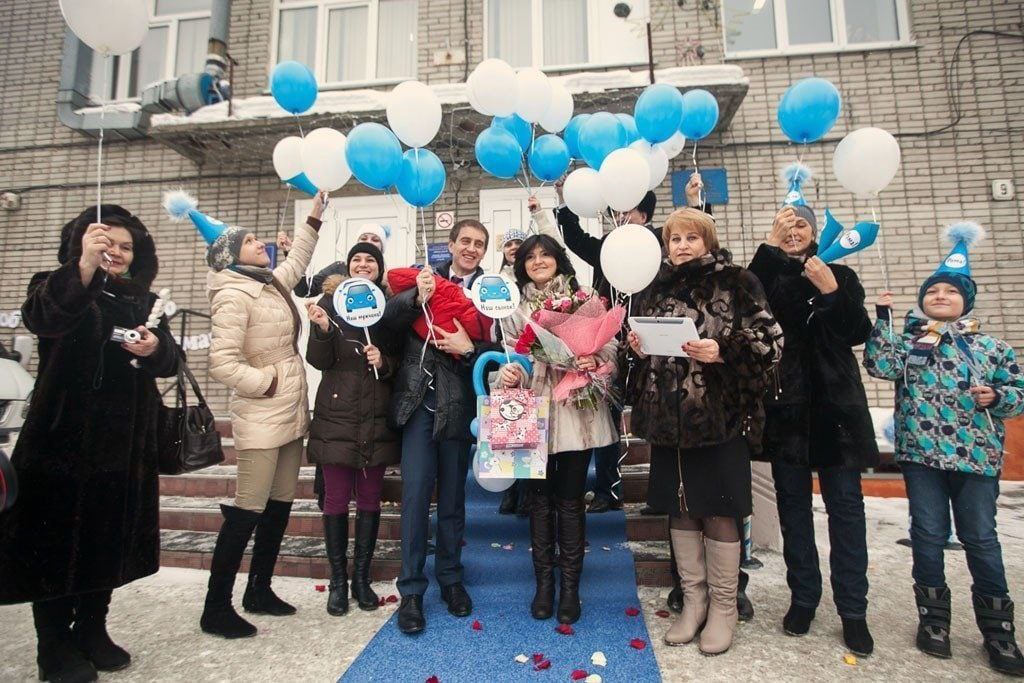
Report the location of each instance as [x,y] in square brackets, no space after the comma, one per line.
[501,584]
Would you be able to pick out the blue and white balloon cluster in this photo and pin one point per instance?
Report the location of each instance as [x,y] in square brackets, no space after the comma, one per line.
[326,159]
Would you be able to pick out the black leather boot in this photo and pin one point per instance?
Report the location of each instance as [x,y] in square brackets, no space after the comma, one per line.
[90,632]
[934,610]
[542,543]
[58,658]
[367,526]
[744,607]
[571,523]
[410,615]
[508,501]
[336,541]
[995,619]
[219,617]
[259,598]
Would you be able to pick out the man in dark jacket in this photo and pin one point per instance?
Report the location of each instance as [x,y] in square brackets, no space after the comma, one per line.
[818,419]
[433,404]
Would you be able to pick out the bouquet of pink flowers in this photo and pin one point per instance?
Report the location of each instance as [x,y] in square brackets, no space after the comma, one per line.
[563,329]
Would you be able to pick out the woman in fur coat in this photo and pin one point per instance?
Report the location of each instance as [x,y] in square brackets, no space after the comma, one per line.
[87,517]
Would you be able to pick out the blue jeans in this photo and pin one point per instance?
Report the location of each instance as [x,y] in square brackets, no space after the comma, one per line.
[930,492]
[847,534]
[424,462]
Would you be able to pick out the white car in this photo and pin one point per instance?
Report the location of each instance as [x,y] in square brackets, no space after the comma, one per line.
[15,390]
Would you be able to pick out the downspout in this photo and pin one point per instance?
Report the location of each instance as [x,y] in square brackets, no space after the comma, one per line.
[186,93]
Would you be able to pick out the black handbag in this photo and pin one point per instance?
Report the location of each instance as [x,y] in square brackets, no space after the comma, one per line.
[188,437]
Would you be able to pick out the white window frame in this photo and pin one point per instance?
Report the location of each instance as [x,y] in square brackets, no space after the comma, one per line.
[122,65]
[324,8]
[594,40]
[839,44]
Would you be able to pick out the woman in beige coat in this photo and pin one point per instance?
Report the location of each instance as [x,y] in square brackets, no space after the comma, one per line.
[543,271]
[254,352]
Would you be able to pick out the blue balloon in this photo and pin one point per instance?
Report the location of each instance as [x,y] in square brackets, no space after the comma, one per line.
[571,134]
[700,114]
[303,184]
[629,124]
[809,109]
[421,177]
[374,154]
[658,112]
[520,129]
[601,135]
[293,85]
[549,158]
[498,152]
[474,427]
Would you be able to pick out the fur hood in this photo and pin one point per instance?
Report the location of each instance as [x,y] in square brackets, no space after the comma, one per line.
[145,265]
[332,282]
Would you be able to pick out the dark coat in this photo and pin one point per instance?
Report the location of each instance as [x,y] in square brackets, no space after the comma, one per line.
[817,412]
[87,517]
[681,403]
[452,378]
[350,414]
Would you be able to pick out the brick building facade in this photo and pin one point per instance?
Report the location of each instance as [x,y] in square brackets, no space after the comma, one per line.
[944,176]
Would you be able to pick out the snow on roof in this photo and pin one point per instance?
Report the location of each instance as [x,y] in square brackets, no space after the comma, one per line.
[341,101]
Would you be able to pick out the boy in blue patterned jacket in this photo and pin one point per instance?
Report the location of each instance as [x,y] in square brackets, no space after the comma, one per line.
[954,388]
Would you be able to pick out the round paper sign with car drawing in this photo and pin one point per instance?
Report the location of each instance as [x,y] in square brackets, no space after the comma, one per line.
[359,302]
[496,296]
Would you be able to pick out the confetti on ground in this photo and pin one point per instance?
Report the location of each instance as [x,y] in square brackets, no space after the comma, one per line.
[632,611]
[578,675]
[496,546]
[598,659]
[606,548]
[850,659]
[522,659]
[538,657]
[592,678]
[320,588]
[542,665]
[477,626]
[637,644]
[433,679]
[507,547]
[565,629]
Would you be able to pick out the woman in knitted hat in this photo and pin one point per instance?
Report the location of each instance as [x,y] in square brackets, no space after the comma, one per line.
[87,517]
[255,331]
[817,419]
[349,437]
[955,386]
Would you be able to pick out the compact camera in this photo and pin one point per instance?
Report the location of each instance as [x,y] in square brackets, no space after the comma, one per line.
[123,335]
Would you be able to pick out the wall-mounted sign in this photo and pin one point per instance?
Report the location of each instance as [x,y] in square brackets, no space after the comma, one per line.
[10,319]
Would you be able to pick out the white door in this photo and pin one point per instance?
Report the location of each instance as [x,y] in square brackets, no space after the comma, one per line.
[502,210]
[343,220]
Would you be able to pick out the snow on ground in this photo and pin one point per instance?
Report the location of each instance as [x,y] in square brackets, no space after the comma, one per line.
[157,620]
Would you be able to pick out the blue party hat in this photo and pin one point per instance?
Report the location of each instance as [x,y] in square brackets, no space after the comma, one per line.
[961,235]
[833,229]
[861,236]
[181,205]
[795,175]
[303,184]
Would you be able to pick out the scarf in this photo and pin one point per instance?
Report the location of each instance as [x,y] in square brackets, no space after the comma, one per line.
[258,273]
[928,334]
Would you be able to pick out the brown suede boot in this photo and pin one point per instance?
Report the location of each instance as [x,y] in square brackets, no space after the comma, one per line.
[688,547]
[723,563]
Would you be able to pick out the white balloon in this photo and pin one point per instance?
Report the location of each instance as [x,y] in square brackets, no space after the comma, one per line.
[414,113]
[111,27]
[488,484]
[582,193]
[625,177]
[533,94]
[559,113]
[866,161]
[288,157]
[323,159]
[494,87]
[471,96]
[656,160]
[630,258]
[673,146]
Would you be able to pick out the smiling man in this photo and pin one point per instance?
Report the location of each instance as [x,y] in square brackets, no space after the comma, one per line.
[467,243]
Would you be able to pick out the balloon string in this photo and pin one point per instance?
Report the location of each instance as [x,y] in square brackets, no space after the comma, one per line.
[99,145]
[298,122]
[879,246]
[700,190]
[423,231]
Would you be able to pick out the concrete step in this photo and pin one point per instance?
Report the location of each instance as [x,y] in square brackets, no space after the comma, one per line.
[303,556]
[220,482]
[203,514]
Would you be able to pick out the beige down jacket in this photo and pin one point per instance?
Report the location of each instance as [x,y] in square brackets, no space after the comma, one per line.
[255,337]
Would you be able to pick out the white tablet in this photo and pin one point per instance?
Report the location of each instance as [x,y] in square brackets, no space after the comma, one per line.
[664,336]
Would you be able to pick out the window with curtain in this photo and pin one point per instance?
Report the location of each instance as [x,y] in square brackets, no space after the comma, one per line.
[349,40]
[764,27]
[175,45]
[553,33]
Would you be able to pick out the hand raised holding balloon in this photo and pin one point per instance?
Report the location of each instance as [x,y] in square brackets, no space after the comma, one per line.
[885,300]
[693,187]
[319,204]
[425,285]
[820,275]
[533,204]
[95,243]
[318,316]
[284,242]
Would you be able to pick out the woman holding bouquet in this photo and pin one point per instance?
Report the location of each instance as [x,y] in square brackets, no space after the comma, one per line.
[578,422]
[701,412]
